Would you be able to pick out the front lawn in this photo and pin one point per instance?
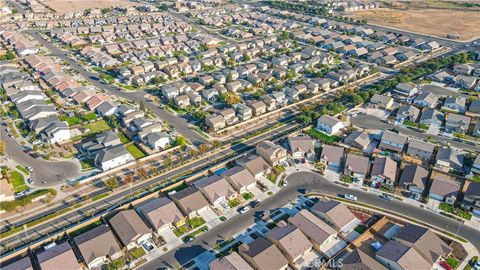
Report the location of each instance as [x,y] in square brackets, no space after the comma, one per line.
[90,116]
[247,196]
[87,164]
[137,252]
[324,138]
[136,153]
[196,222]
[21,168]
[452,262]
[233,203]
[71,121]
[98,126]
[18,181]
[123,138]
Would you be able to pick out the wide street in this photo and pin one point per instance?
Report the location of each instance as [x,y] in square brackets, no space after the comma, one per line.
[179,123]
[372,122]
[182,255]
[51,172]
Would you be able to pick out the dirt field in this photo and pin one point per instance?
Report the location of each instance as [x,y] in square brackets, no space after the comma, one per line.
[63,6]
[439,22]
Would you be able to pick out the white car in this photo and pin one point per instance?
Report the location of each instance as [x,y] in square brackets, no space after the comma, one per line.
[244,209]
[285,183]
[350,197]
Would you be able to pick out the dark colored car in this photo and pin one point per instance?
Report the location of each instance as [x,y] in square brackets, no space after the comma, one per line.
[255,204]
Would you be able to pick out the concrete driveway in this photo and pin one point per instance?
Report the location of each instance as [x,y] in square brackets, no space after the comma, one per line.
[51,172]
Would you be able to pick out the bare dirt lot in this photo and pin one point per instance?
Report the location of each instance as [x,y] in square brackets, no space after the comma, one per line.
[62,6]
[434,21]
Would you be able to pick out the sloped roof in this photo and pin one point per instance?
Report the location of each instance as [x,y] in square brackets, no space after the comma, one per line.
[96,243]
[161,211]
[128,225]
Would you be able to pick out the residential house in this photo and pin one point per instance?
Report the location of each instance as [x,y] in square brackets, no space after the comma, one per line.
[457,123]
[98,246]
[290,240]
[384,171]
[397,256]
[444,190]
[392,141]
[471,197]
[407,112]
[229,116]
[270,152]
[130,229]
[449,159]
[381,102]
[263,255]
[216,189]
[258,107]
[426,99]
[157,140]
[256,165]
[466,82]
[456,104]
[54,255]
[302,147]
[414,179]
[215,122]
[24,263]
[190,201]
[405,90]
[359,140]
[240,179]
[161,213]
[336,214]
[329,124]
[424,241]
[243,112]
[357,259]
[111,157]
[332,157]
[356,167]
[317,231]
[232,261]
[432,117]
[420,149]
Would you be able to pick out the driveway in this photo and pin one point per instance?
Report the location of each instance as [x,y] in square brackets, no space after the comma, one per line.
[316,183]
[52,172]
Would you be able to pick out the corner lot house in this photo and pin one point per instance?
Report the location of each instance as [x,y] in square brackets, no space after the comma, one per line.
[263,255]
[216,189]
[233,261]
[336,214]
[161,213]
[424,241]
[395,255]
[471,198]
[190,201]
[329,124]
[290,240]
[130,228]
[302,147]
[51,258]
[109,158]
[98,246]
[240,178]
[449,159]
[256,165]
[444,190]
[272,153]
[317,231]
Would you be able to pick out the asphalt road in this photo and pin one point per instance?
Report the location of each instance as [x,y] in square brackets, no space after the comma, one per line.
[52,172]
[179,123]
[317,183]
[372,122]
[82,214]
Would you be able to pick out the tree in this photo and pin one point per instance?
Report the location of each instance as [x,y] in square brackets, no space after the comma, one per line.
[105,10]
[128,179]
[3,148]
[202,148]
[357,99]
[229,98]
[216,143]
[142,106]
[142,173]
[181,141]
[167,162]
[111,183]
[10,55]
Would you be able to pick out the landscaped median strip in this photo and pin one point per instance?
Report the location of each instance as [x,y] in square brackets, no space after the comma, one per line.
[387,212]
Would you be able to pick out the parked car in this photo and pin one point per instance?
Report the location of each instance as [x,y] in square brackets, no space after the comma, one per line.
[148,246]
[255,204]
[225,205]
[244,210]
[284,183]
[30,169]
[445,265]
[386,197]
[350,197]
[476,266]
[188,239]
[30,181]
